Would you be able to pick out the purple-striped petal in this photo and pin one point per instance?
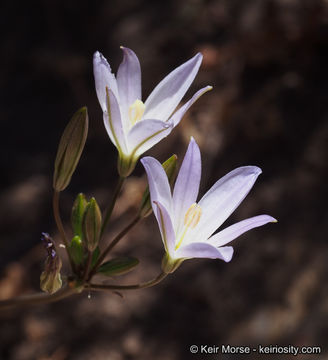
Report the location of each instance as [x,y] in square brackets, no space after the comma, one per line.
[145,134]
[202,250]
[187,184]
[224,197]
[113,123]
[177,116]
[168,93]
[166,227]
[159,186]
[103,78]
[232,232]
[128,82]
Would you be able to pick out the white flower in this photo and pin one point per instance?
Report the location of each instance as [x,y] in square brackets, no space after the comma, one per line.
[187,225]
[134,126]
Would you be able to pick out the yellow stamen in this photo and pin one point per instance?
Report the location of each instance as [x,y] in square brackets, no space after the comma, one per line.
[193,215]
[191,220]
[136,111]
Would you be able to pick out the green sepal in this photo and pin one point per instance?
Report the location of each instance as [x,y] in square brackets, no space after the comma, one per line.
[170,169]
[78,210]
[125,164]
[118,266]
[76,250]
[169,265]
[70,149]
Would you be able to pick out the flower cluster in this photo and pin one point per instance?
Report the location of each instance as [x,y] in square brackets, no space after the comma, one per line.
[186,226]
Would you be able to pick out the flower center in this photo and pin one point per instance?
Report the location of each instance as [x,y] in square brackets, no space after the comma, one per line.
[191,220]
[136,111]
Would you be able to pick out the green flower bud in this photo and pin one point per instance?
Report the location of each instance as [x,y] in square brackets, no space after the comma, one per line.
[70,149]
[76,250]
[170,168]
[92,224]
[118,266]
[78,210]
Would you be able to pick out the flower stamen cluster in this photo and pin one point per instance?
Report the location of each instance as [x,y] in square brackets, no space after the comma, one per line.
[191,220]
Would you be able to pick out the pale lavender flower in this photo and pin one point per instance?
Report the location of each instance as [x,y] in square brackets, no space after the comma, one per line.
[134,126]
[186,226]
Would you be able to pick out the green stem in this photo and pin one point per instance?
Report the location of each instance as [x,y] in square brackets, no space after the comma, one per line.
[147,284]
[112,204]
[60,226]
[35,299]
[113,243]
[87,268]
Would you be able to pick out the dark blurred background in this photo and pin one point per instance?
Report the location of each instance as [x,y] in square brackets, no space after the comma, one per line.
[267,61]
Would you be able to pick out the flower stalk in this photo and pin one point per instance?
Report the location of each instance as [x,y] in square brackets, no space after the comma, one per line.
[110,208]
[113,243]
[60,226]
[144,285]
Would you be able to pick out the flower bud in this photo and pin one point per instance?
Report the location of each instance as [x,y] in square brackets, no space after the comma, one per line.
[78,210]
[50,279]
[70,149]
[76,250]
[170,168]
[92,224]
[118,266]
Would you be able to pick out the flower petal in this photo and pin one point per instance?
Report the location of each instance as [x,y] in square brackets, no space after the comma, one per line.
[145,134]
[169,92]
[166,227]
[232,232]
[177,116]
[187,184]
[103,78]
[159,186]
[113,123]
[224,197]
[128,82]
[202,250]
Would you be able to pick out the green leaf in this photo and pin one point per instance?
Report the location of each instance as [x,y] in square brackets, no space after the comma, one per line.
[118,266]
